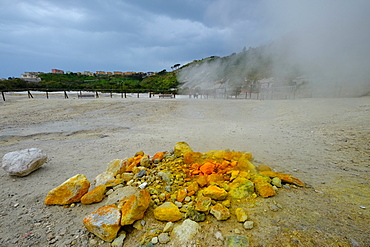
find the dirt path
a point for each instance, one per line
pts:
(323, 142)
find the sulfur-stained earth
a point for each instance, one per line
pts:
(323, 142)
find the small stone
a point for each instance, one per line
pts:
(168, 227)
(220, 212)
(145, 161)
(241, 188)
(181, 148)
(178, 204)
(237, 231)
(155, 240)
(218, 235)
(237, 241)
(141, 174)
(286, 186)
(226, 203)
(117, 242)
(143, 185)
(273, 207)
(167, 212)
(203, 204)
(163, 238)
(195, 215)
(276, 181)
(127, 176)
(241, 215)
(248, 225)
(184, 233)
(215, 192)
(137, 225)
(96, 195)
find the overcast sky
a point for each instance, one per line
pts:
(150, 35)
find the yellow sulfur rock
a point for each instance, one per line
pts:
(215, 192)
(167, 212)
(68, 192)
(104, 222)
(96, 195)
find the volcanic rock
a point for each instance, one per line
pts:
(23, 162)
(167, 212)
(215, 192)
(220, 212)
(237, 241)
(184, 233)
(134, 207)
(240, 188)
(68, 192)
(103, 178)
(121, 193)
(241, 215)
(203, 204)
(118, 242)
(163, 238)
(195, 215)
(181, 148)
(96, 195)
(104, 222)
(248, 225)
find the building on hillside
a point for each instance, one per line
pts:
(117, 73)
(88, 73)
(100, 73)
(109, 73)
(31, 77)
(57, 71)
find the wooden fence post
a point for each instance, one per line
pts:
(65, 95)
(29, 94)
(97, 95)
(47, 94)
(2, 93)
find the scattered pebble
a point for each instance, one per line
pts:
(248, 225)
(143, 185)
(286, 186)
(363, 207)
(274, 207)
(219, 236)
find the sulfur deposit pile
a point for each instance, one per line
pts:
(180, 186)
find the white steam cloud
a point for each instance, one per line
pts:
(328, 41)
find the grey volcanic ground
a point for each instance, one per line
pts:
(323, 142)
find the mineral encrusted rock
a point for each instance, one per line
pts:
(215, 192)
(94, 196)
(134, 207)
(220, 212)
(23, 162)
(68, 192)
(241, 215)
(104, 222)
(167, 212)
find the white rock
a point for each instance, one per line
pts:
(23, 162)
(168, 227)
(184, 233)
(163, 238)
(248, 225)
(118, 242)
